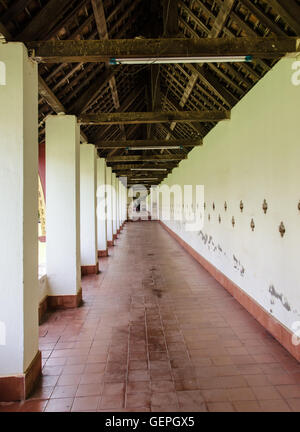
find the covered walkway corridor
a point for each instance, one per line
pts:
(157, 332)
(149, 205)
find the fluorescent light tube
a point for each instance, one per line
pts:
(148, 169)
(168, 60)
(144, 179)
(154, 148)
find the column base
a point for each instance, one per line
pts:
(118, 231)
(103, 253)
(43, 307)
(18, 387)
(65, 301)
(110, 243)
(91, 269)
(115, 236)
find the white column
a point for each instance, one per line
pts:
(120, 204)
(114, 204)
(109, 205)
(18, 221)
(88, 201)
(117, 206)
(101, 208)
(154, 203)
(63, 210)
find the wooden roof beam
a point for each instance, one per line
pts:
(57, 51)
(167, 165)
(148, 143)
(145, 158)
(153, 117)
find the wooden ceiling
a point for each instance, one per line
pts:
(90, 88)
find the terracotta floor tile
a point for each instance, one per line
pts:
(86, 403)
(241, 394)
(280, 379)
(89, 390)
(164, 399)
(274, 406)
(92, 378)
(247, 406)
(59, 405)
(136, 400)
(41, 393)
(94, 368)
(114, 389)
(48, 380)
(73, 369)
(167, 338)
(10, 406)
(266, 392)
(33, 406)
(162, 386)
(65, 391)
(215, 395)
(69, 380)
(190, 399)
(220, 407)
(112, 401)
(289, 391)
(257, 380)
(138, 375)
(294, 404)
(138, 387)
(138, 365)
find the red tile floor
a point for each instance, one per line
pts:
(157, 333)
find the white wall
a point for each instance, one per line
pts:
(88, 222)
(252, 157)
(63, 205)
(19, 209)
(101, 205)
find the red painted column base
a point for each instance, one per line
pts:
(65, 301)
(91, 269)
(18, 387)
(103, 253)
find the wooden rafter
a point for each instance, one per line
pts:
(99, 14)
(221, 18)
(125, 106)
(170, 13)
(48, 15)
(289, 10)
